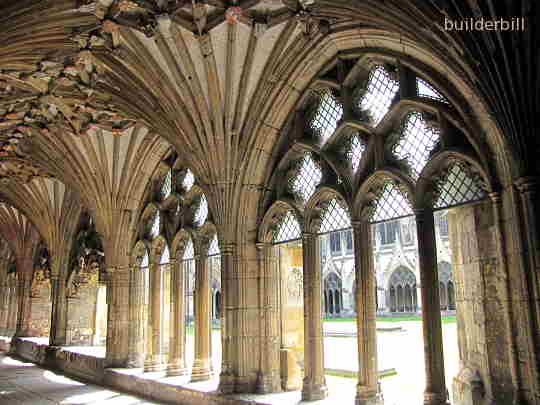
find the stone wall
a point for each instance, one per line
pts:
(483, 348)
(40, 314)
(81, 316)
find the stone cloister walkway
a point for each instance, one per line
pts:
(23, 383)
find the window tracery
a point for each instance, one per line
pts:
(390, 204)
(380, 92)
(288, 229)
(189, 180)
(156, 225)
(356, 150)
(327, 115)
(335, 217)
(307, 179)
(166, 187)
(202, 211)
(458, 185)
(416, 142)
(426, 90)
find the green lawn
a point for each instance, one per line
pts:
(413, 318)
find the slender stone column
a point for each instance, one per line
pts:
(117, 316)
(4, 307)
(136, 320)
(314, 386)
(154, 360)
(24, 305)
(435, 392)
(227, 378)
(269, 375)
(13, 309)
(202, 366)
(58, 333)
(367, 389)
(177, 349)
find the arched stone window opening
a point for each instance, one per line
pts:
(382, 178)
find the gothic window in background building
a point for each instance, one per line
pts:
(406, 231)
(335, 243)
(443, 225)
(348, 241)
(388, 231)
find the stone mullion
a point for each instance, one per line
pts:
(154, 361)
(177, 350)
(435, 392)
(226, 378)
(314, 386)
(202, 366)
(269, 378)
(367, 390)
(118, 317)
(136, 320)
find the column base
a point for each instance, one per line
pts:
(201, 371)
(435, 398)
(176, 370)
(226, 383)
(267, 384)
(369, 398)
(314, 392)
(153, 364)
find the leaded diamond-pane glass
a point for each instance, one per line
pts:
(202, 211)
(381, 89)
(155, 225)
(426, 90)
(335, 217)
(188, 250)
(288, 229)
(214, 247)
(189, 180)
(355, 152)
(307, 179)
(167, 185)
(165, 257)
(391, 204)
(416, 143)
(458, 186)
(328, 114)
(144, 262)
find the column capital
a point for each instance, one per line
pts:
(495, 197)
(526, 184)
(307, 235)
(262, 245)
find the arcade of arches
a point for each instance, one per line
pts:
(191, 187)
